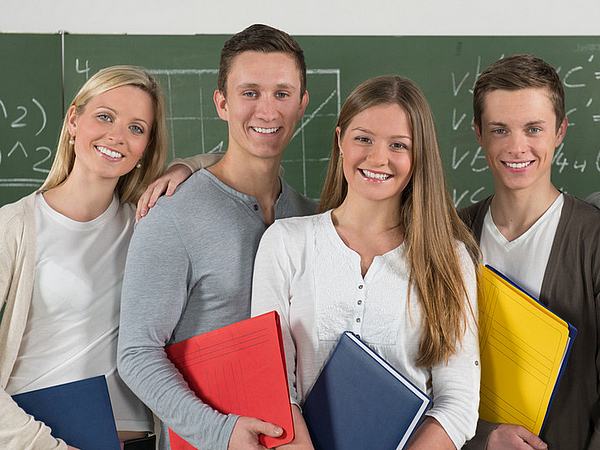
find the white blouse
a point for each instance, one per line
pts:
(305, 272)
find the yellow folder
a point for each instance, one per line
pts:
(524, 347)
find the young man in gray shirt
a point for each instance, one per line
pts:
(190, 261)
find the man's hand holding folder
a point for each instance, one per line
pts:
(247, 432)
(240, 369)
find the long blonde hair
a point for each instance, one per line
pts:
(131, 185)
(429, 220)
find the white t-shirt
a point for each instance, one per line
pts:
(73, 321)
(305, 272)
(523, 260)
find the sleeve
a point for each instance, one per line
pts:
(456, 384)
(595, 438)
(197, 162)
(155, 290)
(201, 161)
(18, 430)
(271, 291)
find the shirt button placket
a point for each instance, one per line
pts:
(359, 309)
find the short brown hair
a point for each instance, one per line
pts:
(260, 38)
(519, 72)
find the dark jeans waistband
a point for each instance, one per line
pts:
(146, 443)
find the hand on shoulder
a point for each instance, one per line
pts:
(165, 184)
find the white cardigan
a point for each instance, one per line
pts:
(18, 430)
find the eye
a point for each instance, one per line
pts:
(250, 94)
(499, 131)
(362, 140)
(104, 117)
(397, 146)
(534, 130)
(136, 129)
(282, 95)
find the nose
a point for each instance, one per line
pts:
(266, 108)
(378, 154)
(518, 144)
(117, 133)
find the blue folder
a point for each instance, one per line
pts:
(79, 413)
(359, 401)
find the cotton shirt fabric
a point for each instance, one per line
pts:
(189, 271)
(307, 274)
(515, 257)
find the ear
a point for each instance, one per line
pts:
(562, 131)
(338, 132)
(72, 120)
(478, 135)
(303, 105)
(221, 105)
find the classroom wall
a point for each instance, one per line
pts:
(305, 17)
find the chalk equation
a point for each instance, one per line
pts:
(21, 121)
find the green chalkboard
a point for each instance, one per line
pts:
(30, 110)
(444, 67)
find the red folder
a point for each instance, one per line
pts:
(239, 369)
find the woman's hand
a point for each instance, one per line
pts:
(165, 184)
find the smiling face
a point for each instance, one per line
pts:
(519, 135)
(112, 131)
(377, 154)
(263, 103)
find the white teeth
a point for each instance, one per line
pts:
(377, 176)
(518, 165)
(265, 130)
(107, 152)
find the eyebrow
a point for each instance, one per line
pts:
(278, 85)
(528, 124)
(366, 130)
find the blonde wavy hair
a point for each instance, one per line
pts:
(430, 222)
(131, 185)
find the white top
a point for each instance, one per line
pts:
(528, 254)
(73, 321)
(305, 272)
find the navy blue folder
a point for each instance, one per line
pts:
(79, 413)
(359, 401)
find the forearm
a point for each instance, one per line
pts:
(197, 162)
(153, 301)
(18, 430)
(153, 378)
(430, 435)
(479, 441)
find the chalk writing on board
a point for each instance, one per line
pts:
(20, 122)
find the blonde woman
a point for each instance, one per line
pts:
(63, 249)
(387, 258)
